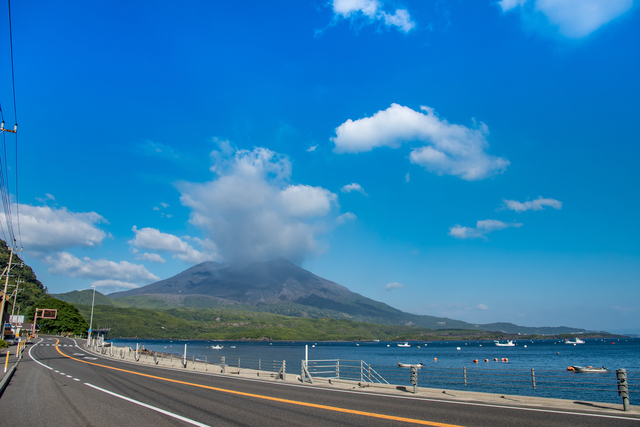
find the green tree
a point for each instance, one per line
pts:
(68, 319)
(30, 288)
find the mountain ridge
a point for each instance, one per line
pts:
(279, 286)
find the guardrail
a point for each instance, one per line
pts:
(599, 387)
(531, 382)
(235, 365)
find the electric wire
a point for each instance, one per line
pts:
(6, 203)
(15, 117)
(5, 195)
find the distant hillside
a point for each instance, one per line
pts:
(84, 297)
(281, 287)
(226, 324)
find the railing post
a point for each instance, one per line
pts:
(338, 369)
(304, 372)
(283, 370)
(414, 378)
(238, 363)
(136, 355)
(184, 359)
(533, 378)
(464, 375)
(361, 373)
(222, 365)
(623, 388)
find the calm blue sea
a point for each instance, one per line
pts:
(549, 358)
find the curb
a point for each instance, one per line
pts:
(7, 376)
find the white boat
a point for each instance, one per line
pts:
(509, 343)
(217, 347)
(404, 345)
(591, 369)
(407, 365)
(577, 341)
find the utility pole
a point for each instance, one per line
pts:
(7, 270)
(15, 296)
(91, 321)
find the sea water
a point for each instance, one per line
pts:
(549, 358)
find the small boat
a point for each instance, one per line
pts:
(587, 369)
(577, 341)
(233, 346)
(509, 343)
(217, 347)
(407, 365)
(404, 345)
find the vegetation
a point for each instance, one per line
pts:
(68, 320)
(30, 288)
(229, 324)
(4, 344)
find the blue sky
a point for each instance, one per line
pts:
(469, 159)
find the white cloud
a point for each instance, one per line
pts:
(482, 228)
(353, 187)
(393, 285)
(371, 10)
(573, 19)
(155, 240)
(483, 307)
(152, 258)
(116, 284)
(164, 205)
(452, 149)
(66, 264)
(304, 200)
(312, 148)
(534, 205)
(46, 229)
(407, 177)
(47, 197)
(400, 19)
(347, 216)
(250, 212)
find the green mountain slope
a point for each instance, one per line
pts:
(30, 289)
(280, 287)
(222, 324)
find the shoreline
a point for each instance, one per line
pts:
(452, 339)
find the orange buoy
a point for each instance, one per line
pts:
(435, 359)
(495, 360)
(486, 360)
(475, 360)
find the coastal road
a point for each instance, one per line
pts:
(59, 384)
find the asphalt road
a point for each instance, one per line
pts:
(64, 385)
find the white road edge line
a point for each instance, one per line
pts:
(153, 408)
(38, 362)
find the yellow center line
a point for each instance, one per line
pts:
(273, 399)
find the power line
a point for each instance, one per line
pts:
(4, 169)
(15, 118)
